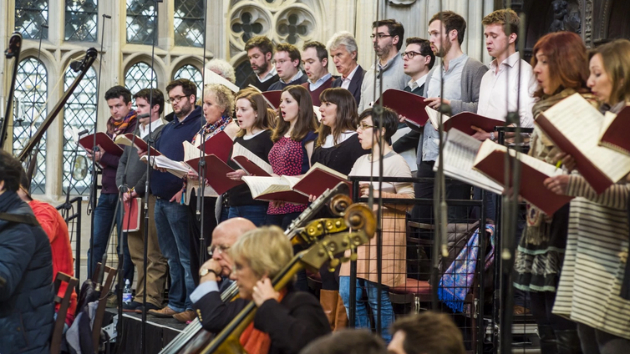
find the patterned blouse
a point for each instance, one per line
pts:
(289, 158)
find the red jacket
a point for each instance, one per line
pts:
(57, 230)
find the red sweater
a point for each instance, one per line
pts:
(315, 94)
(57, 230)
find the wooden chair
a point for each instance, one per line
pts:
(108, 278)
(57, 336)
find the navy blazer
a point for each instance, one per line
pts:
(355, 83)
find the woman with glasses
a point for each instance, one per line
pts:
(394, 247)
(337, 147)
(286, 320)
(255, 121)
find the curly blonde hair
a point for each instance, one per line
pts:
(225, 97)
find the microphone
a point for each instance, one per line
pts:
(76, 65)
(83, 132)
(143, 115)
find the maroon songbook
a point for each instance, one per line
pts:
(273, 97)
(104, 141)
(463, 122)
(406, 104)
(216, 171)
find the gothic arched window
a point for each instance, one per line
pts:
(139, 76)
(30, 15)
(191, 73)
(78, 115)
(29, 110)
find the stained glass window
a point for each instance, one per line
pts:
(139, 76)
(79, 114)
(30, 15)
(81, 20)
(191, 73)
(189, 23)
(141, 17)
(29, 110)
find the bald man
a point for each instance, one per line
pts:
(215, 276)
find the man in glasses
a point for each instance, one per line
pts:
(215, 273)
(287, 61)
(173, 219)
(387, 38)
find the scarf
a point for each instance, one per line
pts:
(210, 130)
(458, 279)
(255, 341)
(538, 230)
(115, 128)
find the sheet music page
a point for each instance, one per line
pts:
(434, 117)
(292, 180)
(190, 151)
(123, 140)
(174, 167)
(261, 184)
(460, 151)
(319, 166)
(609, 117)
(239, 150)
(581, 123)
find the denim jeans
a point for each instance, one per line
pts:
(594, 341)
(173, 221)
(103, 217)
(362, 319)
(254, 213)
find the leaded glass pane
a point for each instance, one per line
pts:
(30, 15)
(242, 71)
(78, 115)
(141, 17)
(31, 93)
(189, 23)
(139, 76)
(81, 20)
(191, 73)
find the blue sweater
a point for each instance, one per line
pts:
(164, 184)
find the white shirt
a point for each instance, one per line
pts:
(342, 137)
(493, 93)
(317, 84)
(346, 80)
(417, 83)
(269, 75)
(149, 128)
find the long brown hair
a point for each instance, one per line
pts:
(306, 121)
(265, 116)
(346, 118)
(567, 60)
(617, 65)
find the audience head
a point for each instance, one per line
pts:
(339, 114)
(610, 72)
(10, 172)
(260, 53)
(560, 62)
(222, 68)
(315, 59)
(252, 112)
(446, 30)
(347, 341)
(369, 134)
(182, 94)
(426, 333)
(296, 110)
(218, 101)
(119, 102)
(25, 184)
(418, 57)
(498, 43)
(343, 51)
(223, 237)
(287, 60)
(146, 97)
(259, 253)
(387, 36)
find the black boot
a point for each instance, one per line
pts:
(568, 342)
(548, 343)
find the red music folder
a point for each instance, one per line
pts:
(491, 162)
(406, 104)
(463, 122)
(104, 141)
(219, 145)
(273, 98)
(131, 218)
(276, 188)
(248, 161)
(614, 133)
(318, 179)
(216, 171)
(573, 125)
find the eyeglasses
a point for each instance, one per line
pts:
(220, 249)
(176, 99)
(364, 126)
(380, 35)
(411, 55)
